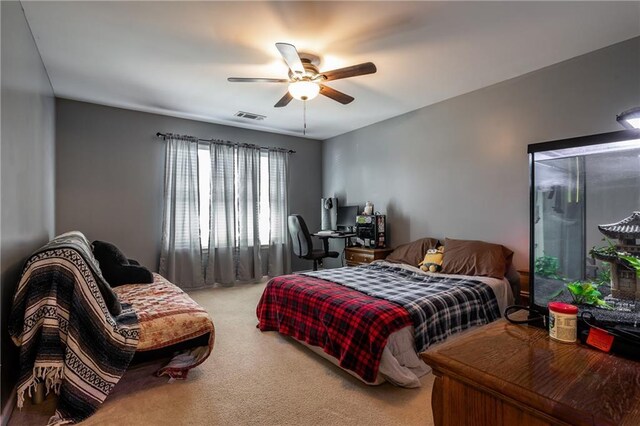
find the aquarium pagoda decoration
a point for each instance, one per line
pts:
(625, 283)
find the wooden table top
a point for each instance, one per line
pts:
(570, 382)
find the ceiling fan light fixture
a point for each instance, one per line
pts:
(630, 119)
(304, 90)
(305, 81)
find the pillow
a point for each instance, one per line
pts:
(508, 259)
(413, 252)
(129, 274)
(467, 257)
(108, 253)
(433, 260)
(115, 267)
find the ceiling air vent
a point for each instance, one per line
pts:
(250, 116)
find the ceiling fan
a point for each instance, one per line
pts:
(305, 81)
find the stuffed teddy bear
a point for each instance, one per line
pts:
(432, 260)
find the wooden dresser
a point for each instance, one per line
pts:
(355, 256)
(505, 374)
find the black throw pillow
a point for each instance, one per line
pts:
(116, 268)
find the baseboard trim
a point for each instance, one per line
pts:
(7, 410)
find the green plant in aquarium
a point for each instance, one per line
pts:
(548, 267)
(584, 293)
(604, 275)
(605, 253)
(633, 261)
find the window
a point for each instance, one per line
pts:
(264, 215)
(204, 179)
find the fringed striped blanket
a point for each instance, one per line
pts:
(72, 332)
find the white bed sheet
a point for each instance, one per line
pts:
(400, 363)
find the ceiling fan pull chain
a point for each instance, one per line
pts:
(304, 117)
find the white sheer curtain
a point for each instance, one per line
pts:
(248, 261)
(222, 216)
(279, 252)
(181, 251)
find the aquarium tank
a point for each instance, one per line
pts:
(585, 225)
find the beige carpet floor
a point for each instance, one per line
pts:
(251, 378)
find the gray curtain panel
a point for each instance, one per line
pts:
(279, 252)
(181, 251)
(248, 262)
(222, 216)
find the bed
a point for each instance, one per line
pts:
(77, 335)
(373, 320)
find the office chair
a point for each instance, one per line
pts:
(302, 244)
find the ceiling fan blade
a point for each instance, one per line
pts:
(352, 71)
(284, 101)
(343, 98)
(257, 80)
(291, 57)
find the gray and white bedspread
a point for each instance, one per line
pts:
(438, 306)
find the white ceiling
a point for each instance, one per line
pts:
(174, 58)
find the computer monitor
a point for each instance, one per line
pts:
(347, 217)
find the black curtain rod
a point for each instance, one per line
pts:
(220, 141)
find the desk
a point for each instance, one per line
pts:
(338, 236)
(326, 237)
(505, 374)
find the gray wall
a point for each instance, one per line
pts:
(28, 120)
(459, 168)
(110, 173)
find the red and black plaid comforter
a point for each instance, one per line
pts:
(345, 323)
